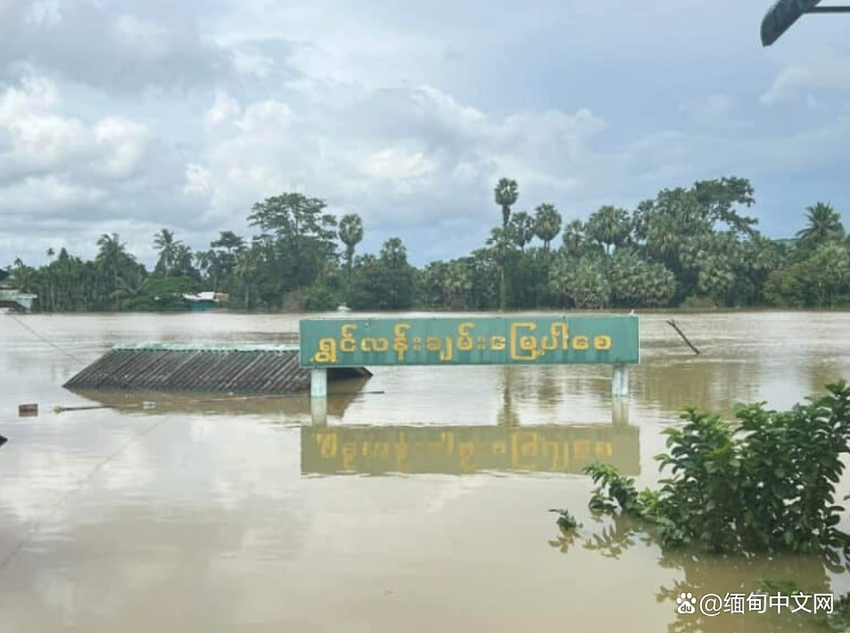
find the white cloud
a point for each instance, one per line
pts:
(121, 143)
(34, 94)
(46, 194)
(252, 64)
(40, 138)
(173, 113)
(46, 13)
(396, 163)
(831, 72)
(432, 148)
(712, 107)
(143, 37)
(267, 115)
(223, 109)
(197, 180)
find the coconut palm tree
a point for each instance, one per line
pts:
(25, 277)
(506, 194)
(824, 223)
(167, 246)
(111, 259)
(547, 223)
(182, 263)
(204, 261)
(350, 234)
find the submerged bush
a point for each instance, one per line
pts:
(766, 484)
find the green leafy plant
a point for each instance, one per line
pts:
(566, 521)
(613, 490)
(765, 484)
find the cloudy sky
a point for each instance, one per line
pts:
(128, 117)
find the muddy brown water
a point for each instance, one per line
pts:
(419, 509)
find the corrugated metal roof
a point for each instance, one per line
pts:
(196, 367)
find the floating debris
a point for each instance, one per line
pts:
(27, 410)
(672, 323)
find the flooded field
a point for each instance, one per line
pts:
(421, 505)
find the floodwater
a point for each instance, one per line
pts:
(420, 506)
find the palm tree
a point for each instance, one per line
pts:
(49, 274)
(547, 223)
(110, 259)
(247, 261)
(574, 238)
(609, 226)
(165, 243)
(204, 263)
(521, 228)
(351, 234)
(24, 276)
(182, 262)
(458, 284)
(824, 223)
(500, 242)
(506, 194)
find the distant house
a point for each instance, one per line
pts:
(203, 301)
(12, 299)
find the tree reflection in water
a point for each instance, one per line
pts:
(701, 573)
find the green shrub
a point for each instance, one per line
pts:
(768, 484)
(319, 298)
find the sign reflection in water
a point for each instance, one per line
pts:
(465, 449)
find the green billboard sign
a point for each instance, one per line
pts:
(520, 340)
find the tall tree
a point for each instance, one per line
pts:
(167, 247)
(220, 260)
(350, 234)
(823, 225)
(183, 261)
(521, 227)
(506, 194)
(247, 263)
(299, 238)
(547, 223)
(609, 226)
(385, 282)
(501, 244)
(229, 241)
(114, 262)
(575, 238)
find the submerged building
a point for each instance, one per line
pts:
(13, 299)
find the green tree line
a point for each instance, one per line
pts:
(686, 247)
